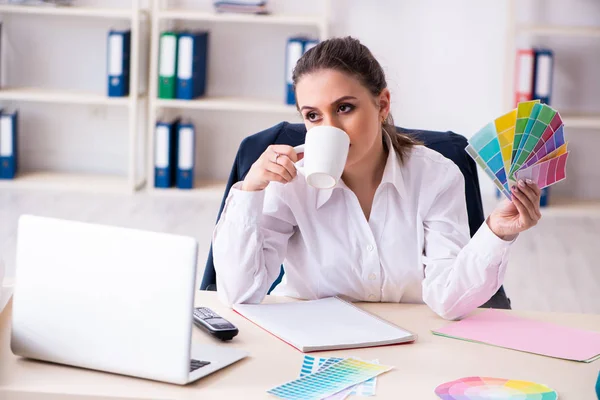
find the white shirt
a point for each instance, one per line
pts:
(415, 247)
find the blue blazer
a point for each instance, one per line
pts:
(449, 144)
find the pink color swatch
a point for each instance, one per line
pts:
(500, 328)
(547, 172)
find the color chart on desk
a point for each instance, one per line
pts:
(311, 364)
(525, 143)
(324, 383)
(481, 388)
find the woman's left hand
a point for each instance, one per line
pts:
(512, 217)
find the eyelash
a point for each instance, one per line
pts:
(350, 108)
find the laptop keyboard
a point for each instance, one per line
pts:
(196, 364)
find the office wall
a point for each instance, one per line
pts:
(444, 61)
(445, 64)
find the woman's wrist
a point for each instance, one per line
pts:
(498, 231)
(248, 186)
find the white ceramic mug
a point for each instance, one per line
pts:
(325, 152)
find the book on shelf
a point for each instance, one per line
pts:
(174, 154)
(186, 151)
(9, 162)
(165, 153)
(167, 65)
(258, 7)
(182, 64)
(118, 60)
(192, 54)
(296, 47)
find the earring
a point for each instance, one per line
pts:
(382, 119)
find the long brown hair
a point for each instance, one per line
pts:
(350, 56)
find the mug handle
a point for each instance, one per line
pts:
(299, 149)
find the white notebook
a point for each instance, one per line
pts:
(325, 324)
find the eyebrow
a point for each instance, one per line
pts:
(335, 102)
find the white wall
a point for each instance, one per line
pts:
(445, 65)
(442, 58)
(444, 61)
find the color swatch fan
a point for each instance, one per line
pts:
(526, 143)
(478, 388)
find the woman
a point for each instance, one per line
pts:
(394, 229)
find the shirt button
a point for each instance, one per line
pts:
(370, 247)
(371, 297)
(372, 276)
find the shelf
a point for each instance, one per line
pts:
(202, 189)
(118, 13)
(557, 30)
(68, 182)
(228, 104)
(60, 96)
(558, 207)
(572, 207)
(271, 19)
(589, 121)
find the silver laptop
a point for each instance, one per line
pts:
(110, 299)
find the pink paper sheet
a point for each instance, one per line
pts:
(502, 329)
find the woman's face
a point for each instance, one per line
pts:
(330, 97)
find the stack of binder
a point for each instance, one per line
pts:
(241, 6)
(174, 158)
(534, 70)
(118, 61)
(296, 47)
(8, 144)
(182, 65)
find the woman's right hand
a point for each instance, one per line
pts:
(275, 164)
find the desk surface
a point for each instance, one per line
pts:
(419, 367)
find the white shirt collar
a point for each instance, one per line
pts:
(392, 174)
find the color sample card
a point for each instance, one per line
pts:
(329, 381)
(514, 144)
(556, 141)
(554, 126)
(505, 126)
(535, 111)
(558, 152)
(503, 329)
(523, 112)
(540, 125)
(501, 187)
(312, 364)
(487, 146)
(482, 388)
(546, 173)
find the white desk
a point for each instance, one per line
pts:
(419, 367)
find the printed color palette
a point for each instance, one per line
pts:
(530, 140)
(555, 142)
(486, 145)
(546, 173)
(518, 144)
(328, 381)
(524, 110)
(478, 388)
(312, 364)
